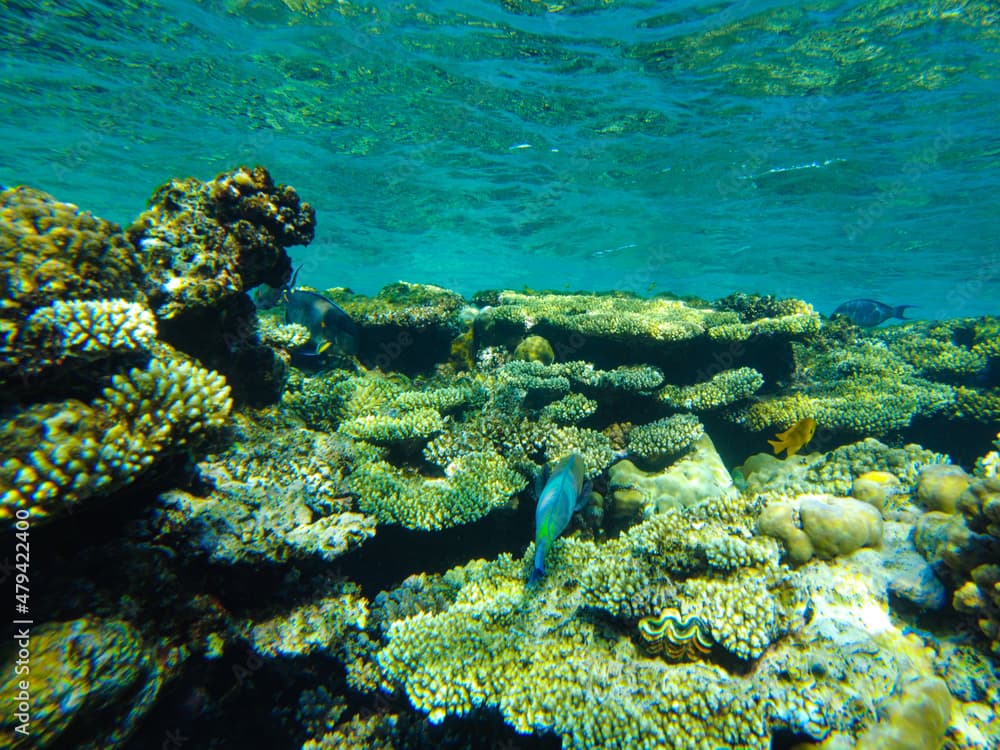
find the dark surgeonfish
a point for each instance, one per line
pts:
(869, 312)
(328, 324)
(564, 493)
(265, 296)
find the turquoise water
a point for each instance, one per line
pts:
(825, 150)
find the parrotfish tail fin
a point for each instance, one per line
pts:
(897, 311)
(536, 575)
(778, 445)
(584, 495)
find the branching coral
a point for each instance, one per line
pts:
(61, 454)
(723, 389)
(671, 436)
(277, 493)
(473, 485)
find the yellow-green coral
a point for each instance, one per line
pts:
(723, 389)
(931, 348)
(61, 454)
(571, 408)
(798, 324)
(90, 327)
(592, 445)
(91, 681)
(618, 316)
(393, 428)
(320, 624)
(535, 349)
(404, 304)
(670, 436)
(473, 485)
(288, 336)
(53, 251)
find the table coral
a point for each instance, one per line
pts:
(723, 389)
(667, 437)
(473, 485)
(394, 428)
(570, 409)
(63, 453)
(318, 625)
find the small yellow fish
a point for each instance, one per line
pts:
(794, 437)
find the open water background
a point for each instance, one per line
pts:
(823, 150)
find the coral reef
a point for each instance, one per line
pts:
(664, 438)
(834, 472)
(473, 485)
(92, 680)
(876, 382)
(204, 245)
(721, 390)
(60, 454)
(680, 609)
(546, 666)
(278, 493)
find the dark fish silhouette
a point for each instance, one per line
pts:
(265, 296)
(328, 324)
(869, 312)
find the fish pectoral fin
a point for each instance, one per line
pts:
(323, 347)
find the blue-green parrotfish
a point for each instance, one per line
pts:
(564, 492)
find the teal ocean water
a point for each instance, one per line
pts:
(448, 489)
(826, 150)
